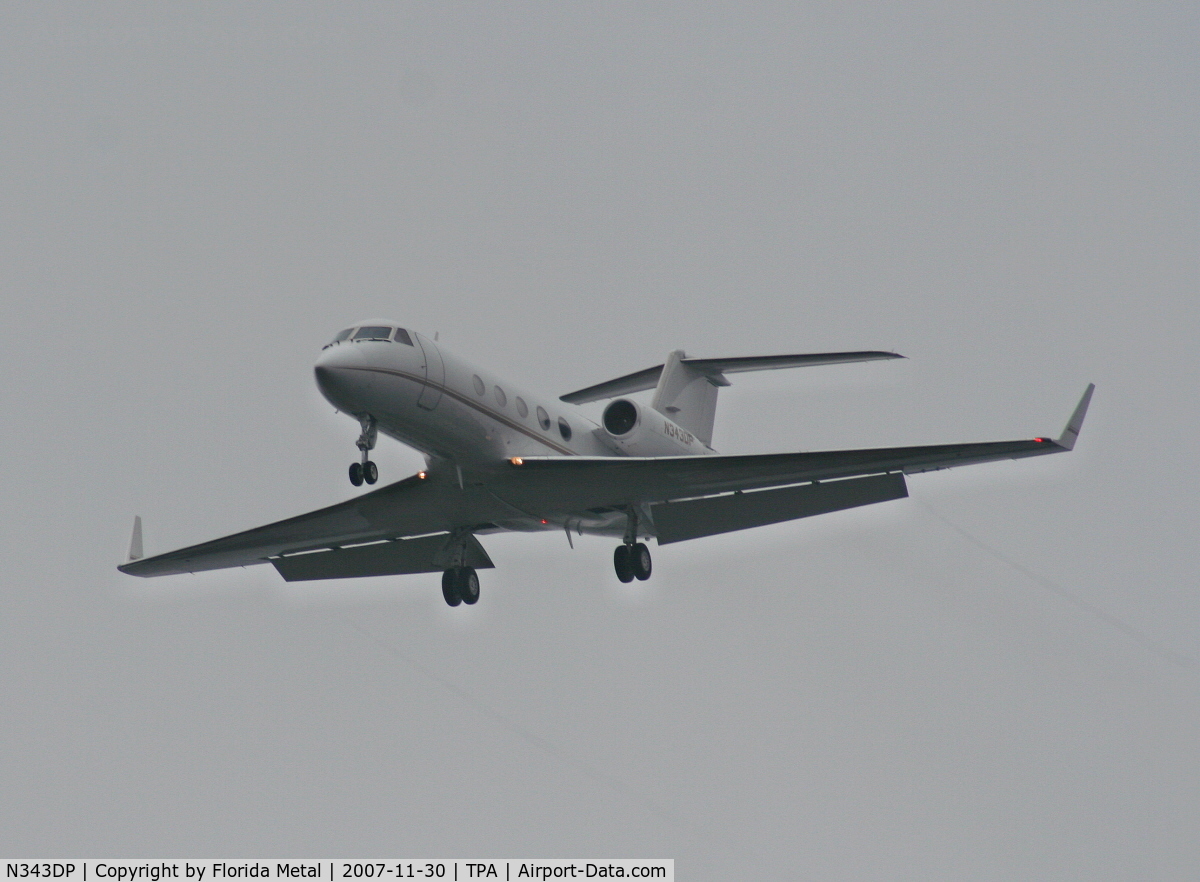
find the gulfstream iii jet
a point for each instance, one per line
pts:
(502, 458)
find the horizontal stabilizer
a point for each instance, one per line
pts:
(715, 369)
(694, 518)
(423, 555)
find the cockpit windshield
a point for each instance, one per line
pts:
(373, 332)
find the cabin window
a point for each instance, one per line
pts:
(564, 429)
(479, 387)
(522, 407)
(501, 398)
(543, 418)
(402, 337)
(373, 332)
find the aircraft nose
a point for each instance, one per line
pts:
(339, 376)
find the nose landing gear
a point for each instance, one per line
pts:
(365, 470)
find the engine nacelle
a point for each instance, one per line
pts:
(639, 431)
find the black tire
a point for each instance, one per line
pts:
(356, 474)
(468, 585)
(370, 472)
(640, 562)
(623, 563)
(450, 587)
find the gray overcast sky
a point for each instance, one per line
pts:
(195, 198)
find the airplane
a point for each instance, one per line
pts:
(501, 458)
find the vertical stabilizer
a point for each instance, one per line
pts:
(688, 397)
(135, 543)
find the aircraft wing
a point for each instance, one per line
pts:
(564, 483)
(414, 507)
(408, 527)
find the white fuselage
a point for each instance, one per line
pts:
(449, 409)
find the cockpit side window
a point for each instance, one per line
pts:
(373, 332)
(342, 335)
(402, 337)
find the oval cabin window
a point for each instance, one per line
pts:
(478, 384)
(522, 407)
(564, 429)
(501, 398)
(543, 418)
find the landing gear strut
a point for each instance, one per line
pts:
(460, 585)
(632, 560)
(365, 470)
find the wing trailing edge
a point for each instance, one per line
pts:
(426, 554)
(695, 518)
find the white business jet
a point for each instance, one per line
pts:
(502, 458)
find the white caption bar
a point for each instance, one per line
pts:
(354, 870)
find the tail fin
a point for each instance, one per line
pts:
(686, 390)
(688, 396)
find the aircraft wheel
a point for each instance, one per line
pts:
(356, 474)
(623, 563)
(640, 563)
(370, 472)
(450, 587)
(468, 585)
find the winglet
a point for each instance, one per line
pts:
(1075, 423)
(135, 543)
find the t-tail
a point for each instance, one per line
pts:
(685, 389)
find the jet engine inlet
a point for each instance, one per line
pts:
(620, 417)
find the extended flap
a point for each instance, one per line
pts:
(423, 555)
(693, 518)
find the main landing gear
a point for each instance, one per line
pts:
(365, 470)
(460, 585)
(632, 559)
(632, 562)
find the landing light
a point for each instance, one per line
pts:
(516, 460)
(421, 475)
